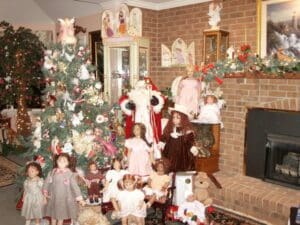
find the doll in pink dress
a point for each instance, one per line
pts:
(140, 153)
(188, 92)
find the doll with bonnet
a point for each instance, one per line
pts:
(210, 111)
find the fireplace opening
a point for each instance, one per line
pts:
(283, 160)
(272, 146)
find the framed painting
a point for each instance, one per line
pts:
(279, 27)
(45, 36)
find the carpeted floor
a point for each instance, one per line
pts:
(8, 171)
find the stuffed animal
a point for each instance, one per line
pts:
(201, 185)
(92, 216)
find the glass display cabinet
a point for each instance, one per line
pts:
(216, 42)
(126, 60)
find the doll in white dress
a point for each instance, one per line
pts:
(34, 201)
(210, 111)
(191, 212)
(129, 202)
(112, 178)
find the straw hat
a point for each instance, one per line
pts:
(180, 108)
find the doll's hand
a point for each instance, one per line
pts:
(45, 200)
(161, 145)
(82, 202)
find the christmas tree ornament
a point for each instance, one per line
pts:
(98, 85)
(77, 118)
(66, 32)
(83, 73)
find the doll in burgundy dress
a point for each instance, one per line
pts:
(177, 140)
(93, 180)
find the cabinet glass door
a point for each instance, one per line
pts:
(119, 66)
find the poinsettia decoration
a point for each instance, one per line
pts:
(245, 61)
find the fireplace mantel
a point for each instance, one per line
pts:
(259, 75)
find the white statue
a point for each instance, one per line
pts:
(214, 13)
(230, 53)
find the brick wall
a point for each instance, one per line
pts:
(241, 93)
(248, 195)
(239, 18)
(188, 22)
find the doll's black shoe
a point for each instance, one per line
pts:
(91, 200)
(96, 200)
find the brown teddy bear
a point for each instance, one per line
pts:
(91, 215)
(201, 184)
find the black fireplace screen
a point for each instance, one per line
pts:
(273, 138)
(283, 160)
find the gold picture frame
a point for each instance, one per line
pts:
(278, 27)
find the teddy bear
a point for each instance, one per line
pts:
(201, 184)
(91, 215)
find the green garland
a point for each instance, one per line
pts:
(246, 62)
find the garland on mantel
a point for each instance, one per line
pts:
(248, 63)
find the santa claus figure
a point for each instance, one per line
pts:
(143, 104)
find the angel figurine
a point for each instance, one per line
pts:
(66, 31)
(214, 13)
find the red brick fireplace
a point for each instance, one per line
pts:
(249, 195)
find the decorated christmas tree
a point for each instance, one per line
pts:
(75, 119)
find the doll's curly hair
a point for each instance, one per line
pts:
(185, 124)
(210, 96)
(36, 166)
(164, 162)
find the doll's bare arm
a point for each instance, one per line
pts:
(115, 204)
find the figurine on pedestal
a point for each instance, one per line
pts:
(214, 13)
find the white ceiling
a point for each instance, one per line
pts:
(48, 11)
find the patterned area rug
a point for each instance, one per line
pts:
(8, 171)
(217, 217)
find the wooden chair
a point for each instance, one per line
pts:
(163, 206)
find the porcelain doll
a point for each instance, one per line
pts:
(62, 191)
(210, 111)
(177, 140)
(158, 184)
(140, 152)
(191, 211)
(93, 179)
(129, 202)
(186, 91)
(33, 199)
(112, 177)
